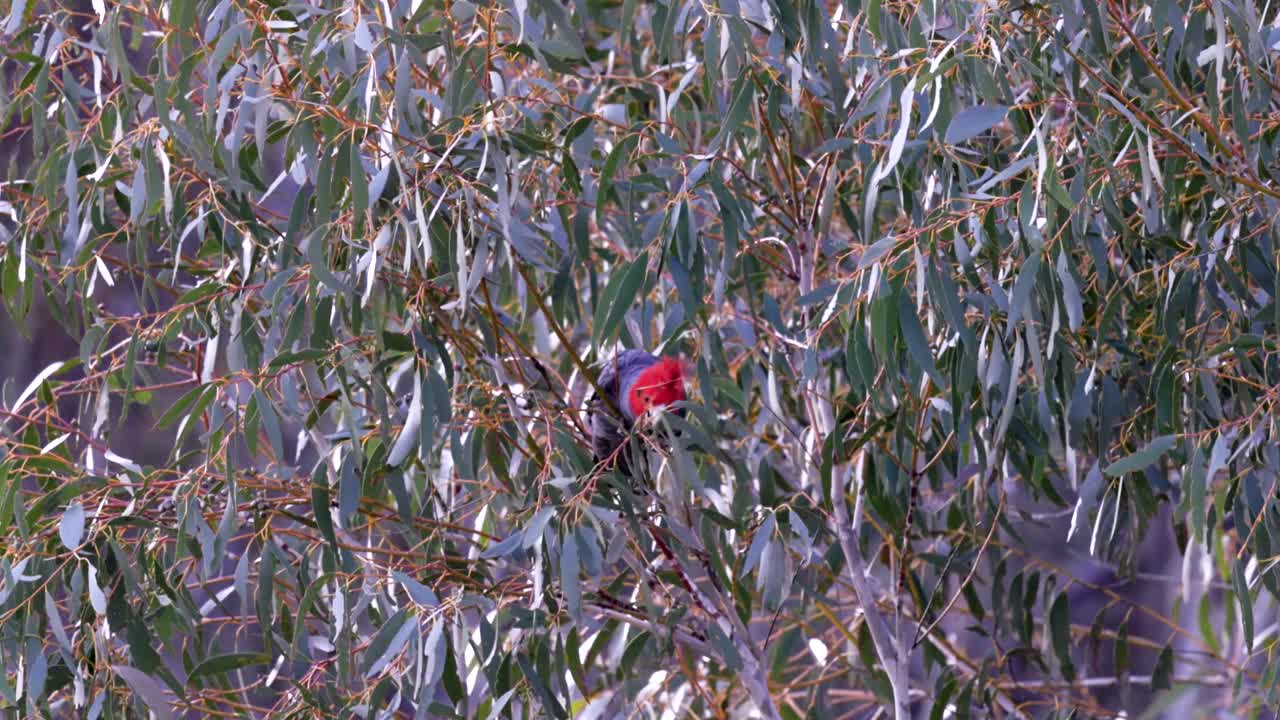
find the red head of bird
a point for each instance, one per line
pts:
(657, 385)
(634, 382)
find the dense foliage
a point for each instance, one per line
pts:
(979, 300)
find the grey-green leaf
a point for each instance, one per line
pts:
(619, 296)
(917, 344)
(538, 523)
(148, 688)
(876, 251)
(407, 440)
(758, 542)
(1070, 293)
(388, 642)
(420, 593)
(1150, 453)
(974, 121)
(1060, 628)
(569, 580)
(219, 664)
(1245, 600)
(505, 547)
(71, 526)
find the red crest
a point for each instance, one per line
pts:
(659, 384)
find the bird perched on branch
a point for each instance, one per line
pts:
(634, 381)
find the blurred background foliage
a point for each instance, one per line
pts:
(302, 301)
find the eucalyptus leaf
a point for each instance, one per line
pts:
(157, 699)
(71, 526)
(973, 121)
(339, 280)
(1147, 455)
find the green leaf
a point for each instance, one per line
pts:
(873, 19)
(1139, 460)
(537, 524)
(387, 643)
(506, 547)
(156, 698)
(917, 344)
(180, 406)
(38, 674)
(974, 121)
(219, 664)
(1060, 628)
(743, 98)
(270, 423)
(774, 576)
(544, 694)
(834, 145)
(759, 541)
(618, 297)
(607, 172)
(192, 417)
(320, 505)
(299, 649)
(872, 254)
(350, 488)
(1194, 480)
(301, 356)
(569, 576)
(1020, 301)
(1244, 599)
(1162, 675)
(320, 264)
(1070, 293)
(420, 593)
(200, 292)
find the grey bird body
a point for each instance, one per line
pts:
(610, 426)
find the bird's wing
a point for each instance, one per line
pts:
(610, 426)
(606, 428)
